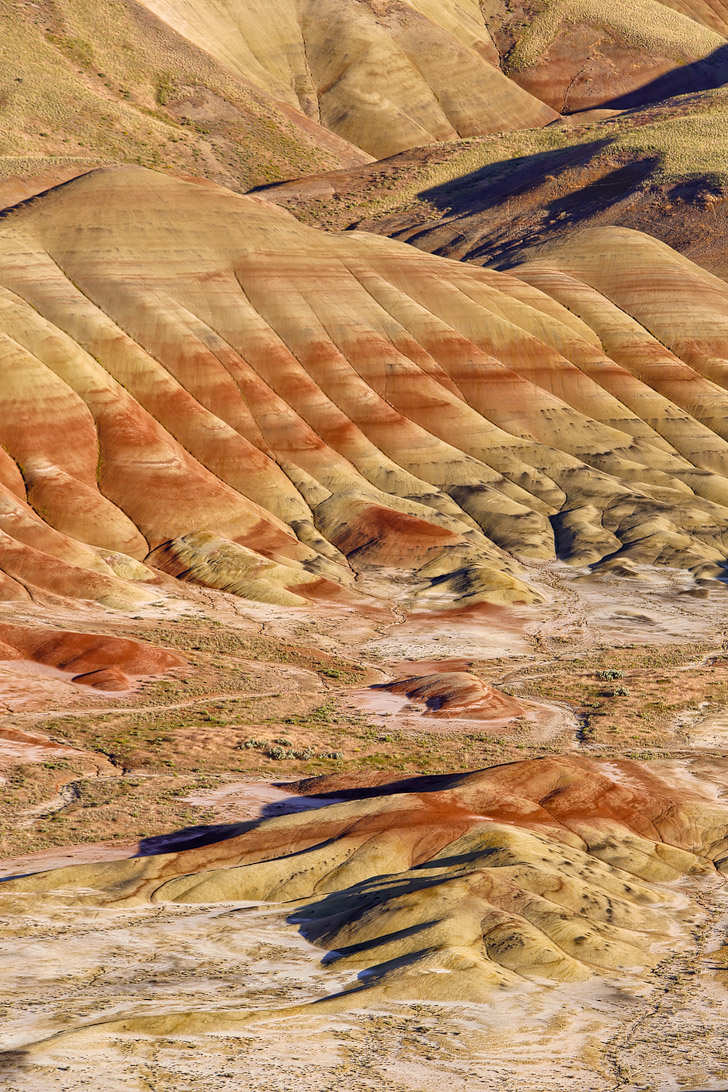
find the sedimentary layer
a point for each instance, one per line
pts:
(199, 384)
(448, 887)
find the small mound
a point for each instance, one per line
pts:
(105, 678)
(94, 659)
(455, 694)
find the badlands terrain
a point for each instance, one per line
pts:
(363, 543)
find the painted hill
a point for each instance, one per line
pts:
(444, 888)
(92, 659)
(203, 386)
(386, 75)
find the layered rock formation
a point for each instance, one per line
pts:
(446, 887)
(197, 383)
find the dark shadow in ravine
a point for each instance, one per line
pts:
(489, 186)
(707, 74)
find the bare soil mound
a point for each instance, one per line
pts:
(94, 659)
(454, 694)
(448, 888)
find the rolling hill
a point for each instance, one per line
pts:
(386, 75)
(202, 386)
(448, 889)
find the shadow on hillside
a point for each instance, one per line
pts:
(417, 783)
(532, 218)
(192, 838)
(199, 836)
(489, 186)
(706, 74)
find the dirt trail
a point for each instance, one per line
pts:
(678, 1032)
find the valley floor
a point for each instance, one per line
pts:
(611, 666)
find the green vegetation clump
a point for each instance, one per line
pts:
(165, 88)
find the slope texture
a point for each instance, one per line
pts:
(385, 74)
(197, 383)
(448, 887)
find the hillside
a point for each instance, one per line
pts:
(89, 83)
(363, 545)
(386, 75)
(202, 385)
(442, 889)
(661, 170)
(710, 13)
(581, 54)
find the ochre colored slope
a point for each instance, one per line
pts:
(106, 82)
(203, 385)
(447, 887)
(386, 76)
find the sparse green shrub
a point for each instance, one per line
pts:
(165, 88)
(609, 674)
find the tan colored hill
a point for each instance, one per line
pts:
(203, 386)
(580, 54)
(449, 888)
(386, 75)
(87, 83)
(710, 13)
(661, 170)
